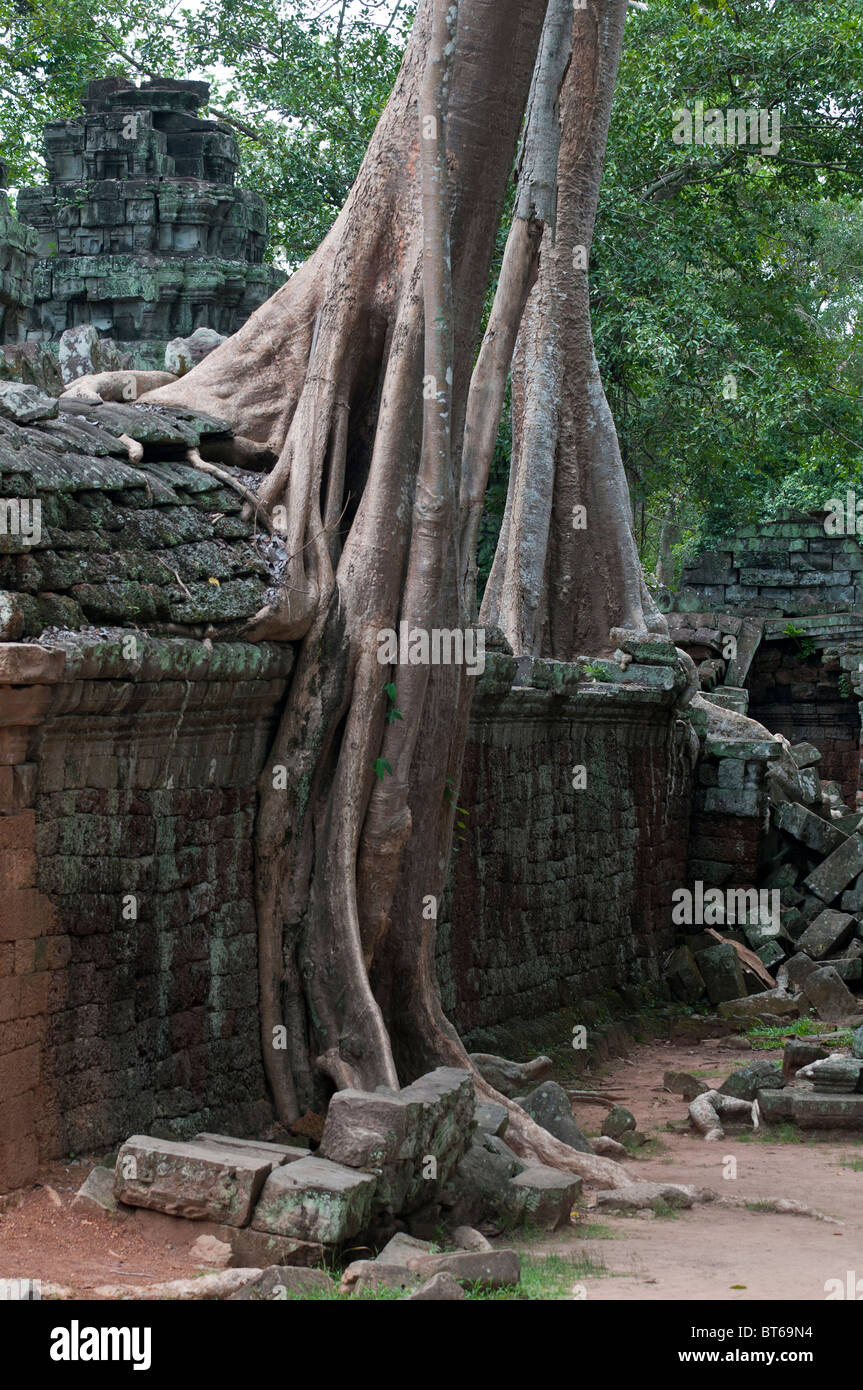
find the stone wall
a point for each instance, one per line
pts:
(17, 262)
(128, 973)
(562, 894)
(128, 947)
(776, 568)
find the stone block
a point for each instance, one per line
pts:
(199, 1181)
(837, 871)
(827, 933)
(813, 832)
(315, 1200)
(368, 1130)
(283, 1282)
(723, 974)
(542, 1197)
(826, 992)
(814, 1110)
(550, 1106)
(776, 1106)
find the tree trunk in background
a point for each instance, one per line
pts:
(566, 568)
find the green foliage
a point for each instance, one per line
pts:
(708, 261)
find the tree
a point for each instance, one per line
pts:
(360, 374)
(567, 569)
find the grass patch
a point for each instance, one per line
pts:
(854, 1163)
(594, 1230)
(548, 1277)
(769, 1038)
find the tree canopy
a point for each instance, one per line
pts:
(725, 285)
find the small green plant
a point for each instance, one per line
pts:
(846, 689)
(594, 672)
(805, 645)
(393, 713)
(382, 767)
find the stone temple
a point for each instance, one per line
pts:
(17, 259)
(141, 229)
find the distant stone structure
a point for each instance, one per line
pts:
(775, 622)
(17, 261)
(141, 230)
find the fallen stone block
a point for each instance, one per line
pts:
(827, 933)
(25, 404)
(551, 1107)
(746, 1082)
(278, 1283)
(202, 1182)
(317, 1200)
(511, 1078)
(682, 1083)
(805, 754)
(96, 1192)
(795, 971)
(466, 1238)
(543, 1197)
(828, 995)
(813, 1110)
(490, 1269)
(799, 1053)
(813, 832)
(776, 1106)
(276, 1154)
(835, 1075)
(368, 1129)
(857, 1042)
(617, 1122)
(441, 1288)
(837, 871)
(259, 1249)
(361, 1275)
(769, 1004)
(684, 976)
(444, 1123)
(723, 973)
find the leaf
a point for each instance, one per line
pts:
(382, 767)
(390, 691)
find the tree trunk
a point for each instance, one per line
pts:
(566, 569)
(365, 397)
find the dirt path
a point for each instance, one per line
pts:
(704, 1252)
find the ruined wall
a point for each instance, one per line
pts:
(141, 229)
(561, 894)
(128, 948)
(128, 973)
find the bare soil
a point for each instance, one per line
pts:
(708, 1252)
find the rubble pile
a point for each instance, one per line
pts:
(814, 1089)
(393, 1170)
(790, 945)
